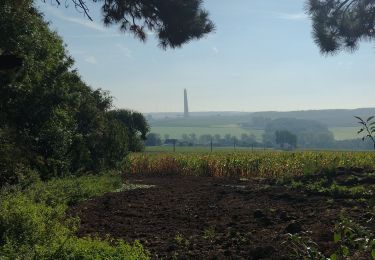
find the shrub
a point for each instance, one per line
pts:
(89, 248)
(33, 223)
(31, 230)
(71, 190)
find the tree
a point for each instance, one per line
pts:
(51, 122)
(310, 134)
(174, 22)
(247, 140)
(284, 137)
(205, 139)
(10, 61)
(341, 24)
(153, 139)
(136, 125)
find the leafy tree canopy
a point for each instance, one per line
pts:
(51, 122)
(285, 137)
(342, 24)
(310, 134)
(174, 22)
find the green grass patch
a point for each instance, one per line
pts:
(345, 133)
(33, 223)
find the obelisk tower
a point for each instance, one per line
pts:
(186, 106)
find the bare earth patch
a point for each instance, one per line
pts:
(212, 218)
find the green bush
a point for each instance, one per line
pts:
(31, 230)
(71, 190)
(50, 120)
(33, 223)
(88, 248)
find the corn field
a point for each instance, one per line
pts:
(248, 164)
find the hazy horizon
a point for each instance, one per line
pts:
(261, 58)
(255, 111)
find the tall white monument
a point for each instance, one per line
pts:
(186, 106)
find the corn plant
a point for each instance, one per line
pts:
(368, 128)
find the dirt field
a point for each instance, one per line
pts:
(210, 218)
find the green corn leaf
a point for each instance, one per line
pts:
(345, 251)
(333, 257)
(337, 237)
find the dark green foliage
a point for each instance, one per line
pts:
(285, 137)
(310, 134)
(153, 139)
(51, 122)
(29, 230)
(352, 241)
(136, 125)
(174, 22)
(341, 24)
(367, 128)
(33, 223)
(71, 190)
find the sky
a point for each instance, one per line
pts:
(261, 57)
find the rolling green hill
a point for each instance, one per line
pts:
(340, 121)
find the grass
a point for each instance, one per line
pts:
(345, 133)
(34, 224)
(201, 121)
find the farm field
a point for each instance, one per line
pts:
(244, 164)
(340, 133)
(260, 205)
(214, 132)
(196, 149)
(177, 132)
(345, 133)
(212, 218)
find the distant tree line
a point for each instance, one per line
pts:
(308, 134)
(285, 139)
(283, 133)
(51, 122)
(192, 139)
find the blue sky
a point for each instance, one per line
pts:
(261, 57)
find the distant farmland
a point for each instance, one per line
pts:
(340, 133)
(345, 133)
(234, 130)
(341, 123)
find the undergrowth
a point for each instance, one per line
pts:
(34, 225)
(352, 241)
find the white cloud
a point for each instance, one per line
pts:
(98, 35)
(84, 22)
(292, 17)
(91, 60)
(215, 49)
(124, 50)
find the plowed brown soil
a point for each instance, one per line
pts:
(212, 218)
